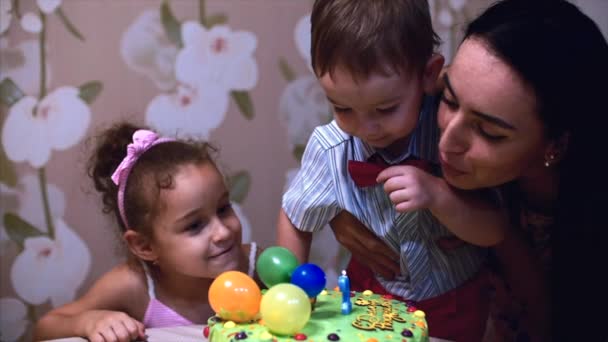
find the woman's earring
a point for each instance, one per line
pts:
(550, 160)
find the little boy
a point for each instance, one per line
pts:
(375, 61)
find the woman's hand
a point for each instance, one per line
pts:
(364, 246)
(111, 326)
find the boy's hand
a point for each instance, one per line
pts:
(364, 246)
(114, 326)
(409, 187)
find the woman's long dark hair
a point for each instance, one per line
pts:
(563, 56)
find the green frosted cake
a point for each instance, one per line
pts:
(373, 318)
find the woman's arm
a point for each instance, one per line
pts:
(524, 275)
(473, 216)
(104, 313)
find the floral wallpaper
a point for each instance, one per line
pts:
(234, 72)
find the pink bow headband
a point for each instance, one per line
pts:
(143, 140)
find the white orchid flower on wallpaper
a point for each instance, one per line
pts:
(457, 5)
(21, 64)
(211, 64)
(30, 205)
(33, 129)
(302, 107)
(146, 49)
(245, 225)
(445, 17)
(217, 56)
(13, 321)
(5, 15)
(51, 269)
(24, 200)
(30, 22)
(303, 39)
(48, 6)
(189, 112)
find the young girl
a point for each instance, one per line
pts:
(173, 208)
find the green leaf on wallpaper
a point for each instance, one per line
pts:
(239, 184)
(10, 92)
(286, 70)
(171, 25)
(243, 100)
(68, 24)
(19, 229)
(89, 91)
(216, 19)
(8, 175)
(298, 151)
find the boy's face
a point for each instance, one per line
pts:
(380, 110)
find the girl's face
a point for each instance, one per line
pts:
(491, 133)
(197, 234)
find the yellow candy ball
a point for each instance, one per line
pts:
(419, 313)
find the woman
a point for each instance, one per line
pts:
(520, 113)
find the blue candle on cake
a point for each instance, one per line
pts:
(344, 285)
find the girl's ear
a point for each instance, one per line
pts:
(431, 73)
(140, 245)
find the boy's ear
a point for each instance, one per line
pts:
(140, 245)
(431, 73)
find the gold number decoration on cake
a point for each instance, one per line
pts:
(376, 319)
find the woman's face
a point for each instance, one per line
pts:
(491, 132)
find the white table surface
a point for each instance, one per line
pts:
(191, 333)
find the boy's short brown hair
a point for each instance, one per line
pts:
(366, 36)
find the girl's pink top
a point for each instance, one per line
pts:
(158, 315)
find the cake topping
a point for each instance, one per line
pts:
(407, 333)
(300, 337)
(206, 332)
(411, 309)
(368, 293)
(265, 336)
(419, 313)
(241, 336)
(229, 324)
(333, 337)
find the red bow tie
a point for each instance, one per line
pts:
(364, 174)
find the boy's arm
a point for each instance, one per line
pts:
(101, 311)
(470, 215)
(290, 237)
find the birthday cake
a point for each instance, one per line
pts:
(373, 318)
